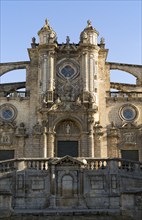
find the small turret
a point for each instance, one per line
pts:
(89, 35)
(46, 34)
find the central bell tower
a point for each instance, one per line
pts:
(69, 89)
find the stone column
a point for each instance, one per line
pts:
(21, 135)
(90, 137)
(90, 144)
(98, 132)
(113, 141)
(45, 142)
(45, 73)
(83, 149)
(85, 70)
(50, 148)
(51, 71)
(91, 73)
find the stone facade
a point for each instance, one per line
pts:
(68, 141)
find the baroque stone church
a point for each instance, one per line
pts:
(68, 141)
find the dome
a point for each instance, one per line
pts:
(89, 34)
(47, 34)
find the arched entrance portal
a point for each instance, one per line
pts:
(67, 139)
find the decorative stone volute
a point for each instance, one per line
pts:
(89, 35)
(46, 34)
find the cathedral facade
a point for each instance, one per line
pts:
(70, 124)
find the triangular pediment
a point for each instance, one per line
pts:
(68, 161)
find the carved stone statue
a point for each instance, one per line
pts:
(68, 129)
(67, 40)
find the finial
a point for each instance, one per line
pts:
(67, 40)
(46, 22)
(89, 23)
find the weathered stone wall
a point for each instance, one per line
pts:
(67, 185)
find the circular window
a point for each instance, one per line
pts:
(128, 112)
(8, 112)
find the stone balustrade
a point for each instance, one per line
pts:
(21, 164)
(37, 164)
(117, 164)
(8, 166)
(16, 94)
(95, 164)
(124, 94)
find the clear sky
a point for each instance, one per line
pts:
(119, 22)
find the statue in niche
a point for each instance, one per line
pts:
(68, 129)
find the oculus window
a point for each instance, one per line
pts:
(8, 112)
(128, 112)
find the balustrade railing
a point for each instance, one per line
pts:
(21, 94)
(95, 164)
(124, 94)
(129, 166)
(21, 164)
(37, 164)
(8, 165)
(114, 164)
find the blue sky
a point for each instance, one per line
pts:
(119, 22)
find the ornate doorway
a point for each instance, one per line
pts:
(67, 139)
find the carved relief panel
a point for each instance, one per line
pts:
(67, 127)
(6, 138)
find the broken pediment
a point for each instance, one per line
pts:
(68, 161)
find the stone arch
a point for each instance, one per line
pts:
(72, 189)
(67, 137)
(7, 67)
(119, 76)
(135, 70)
(13, 76)
(72, 118)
